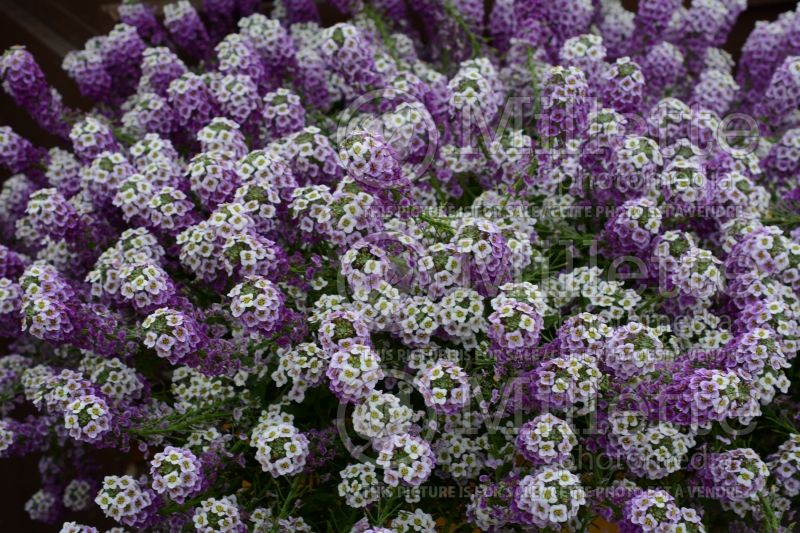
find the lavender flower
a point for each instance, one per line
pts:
(160, 66)
(405, 459)
(258, 304)
(126, 501)
(353, 372)
(349, 54)
(218, 514)
(545, 440)
(444, 386)
(177, 473)
(24, 81)
(87, 418)
(122, 56)
(90, 138)
(282, 113)
(18, 154)
(548, 498)
(192, 102)
(186, 29)
(141, 16)
(281, 448)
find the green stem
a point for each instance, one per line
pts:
(438, 222)
(380, 25)
(123, 137)
(484, 150)
(294, 492)
(386, 508)
(788, 220)
(180, 423)
(473, 39)
(770, 524)
(781, 422)
(534, 82)
(437, 188)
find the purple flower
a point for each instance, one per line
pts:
(148, 113)
(122, 56)
(135, 508)
(281, 449)
(24, 81)
(177, 473)
(342, 329)
(160, 66)
(487, 254)
(298, 11)
(564, 111)
(783, 159)
(633, 226)
(740, 471)
(444, 386)
(761, 54)
(102, 178)
(663, 70)
(310, 155)
(52, 215)
(546, 440)
(258, 304)
(146, 287)
(87, 418)
(63, 171)
(88, 70)
(347, 52)
(514, 329)
(237, 55)
(90, 137)
(405, 459)
(259, 196)
(220, 15)
(141, 16)
(783, 93)
(784, 465)
(550, 497)
(193, 104)
(224, 137)
(10, 306)
(213, 177)
(655, 509)
(173, 334)
(18, 154)
(282, 114)
(623, 86)
(238, 99)
(373, 164)
(715, 90)
(653, 16)
(187, 30)
(274, 46)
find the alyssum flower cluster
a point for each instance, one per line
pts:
(427, 269)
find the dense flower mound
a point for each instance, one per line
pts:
(407, 267)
